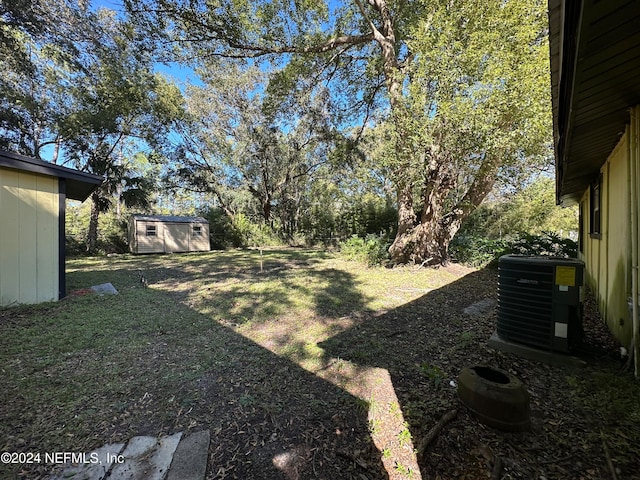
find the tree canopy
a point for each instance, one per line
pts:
(76, 80)
(456, 91)
(428, 105)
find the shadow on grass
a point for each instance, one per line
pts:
(163, 367)
(214, 266)
(91, 370)
(235, 287)
(424, 344)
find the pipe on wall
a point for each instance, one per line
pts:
(634, 160)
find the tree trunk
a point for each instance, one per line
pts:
(92, 235)
(427, 240)
(266, 210)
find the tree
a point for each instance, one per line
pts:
(41, 42)
(458, 87)
(531, 210)
(233, 141)
(119, 108)
(75, 79)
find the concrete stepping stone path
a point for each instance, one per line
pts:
(144, 458)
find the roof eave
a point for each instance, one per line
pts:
(79, 185)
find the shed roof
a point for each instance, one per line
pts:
(79, 185)
(169, 218)
(595, 79)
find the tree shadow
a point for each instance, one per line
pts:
(165, 367)
(272, 419)
(238, 287)
(424, 344)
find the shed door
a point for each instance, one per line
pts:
(176, 237)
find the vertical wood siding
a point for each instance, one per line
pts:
(176, 237)
(28, 237)
(146, 244)
(200, 243)
(608, 259)
(171, 237)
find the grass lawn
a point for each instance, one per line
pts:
(301, 364)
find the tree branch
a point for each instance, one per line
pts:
(364, 13)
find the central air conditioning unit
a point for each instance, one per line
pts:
(540, 301)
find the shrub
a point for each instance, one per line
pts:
(239, 232)
(222, 233)
(253, 234)
(372, 250)
(75, 246)
(479, 251)
(547, 243)
(112, 232)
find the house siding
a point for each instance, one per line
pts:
(29, 240)
(608, 258)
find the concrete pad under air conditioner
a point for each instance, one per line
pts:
(533, 353)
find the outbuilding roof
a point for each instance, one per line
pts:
(79, 185)
(169, 218)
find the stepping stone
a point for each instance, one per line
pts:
(481, 307)
(105, 289)
(146, 458)
(99, 464)
(190, 458)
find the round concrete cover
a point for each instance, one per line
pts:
(496, 398)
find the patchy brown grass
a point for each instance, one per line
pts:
(302, 366)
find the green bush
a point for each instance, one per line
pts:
(547, 243)
(222, 233)
(112, 231)
(75, 246)
(479, 251)
(372, 250)
(253, 234)
(239, 232)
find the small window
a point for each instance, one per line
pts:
(581, 227)
(197, 230)
(151, 230)
(595, 209)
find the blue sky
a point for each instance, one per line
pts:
(179, 73)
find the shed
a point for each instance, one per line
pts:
(168, 234)
(32, 237)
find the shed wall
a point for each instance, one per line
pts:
(200, 242)
(176, 237)
(29, 239)
(146, 243)
(170, 237)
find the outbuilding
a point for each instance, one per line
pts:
(168, 234)
(33, 196)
